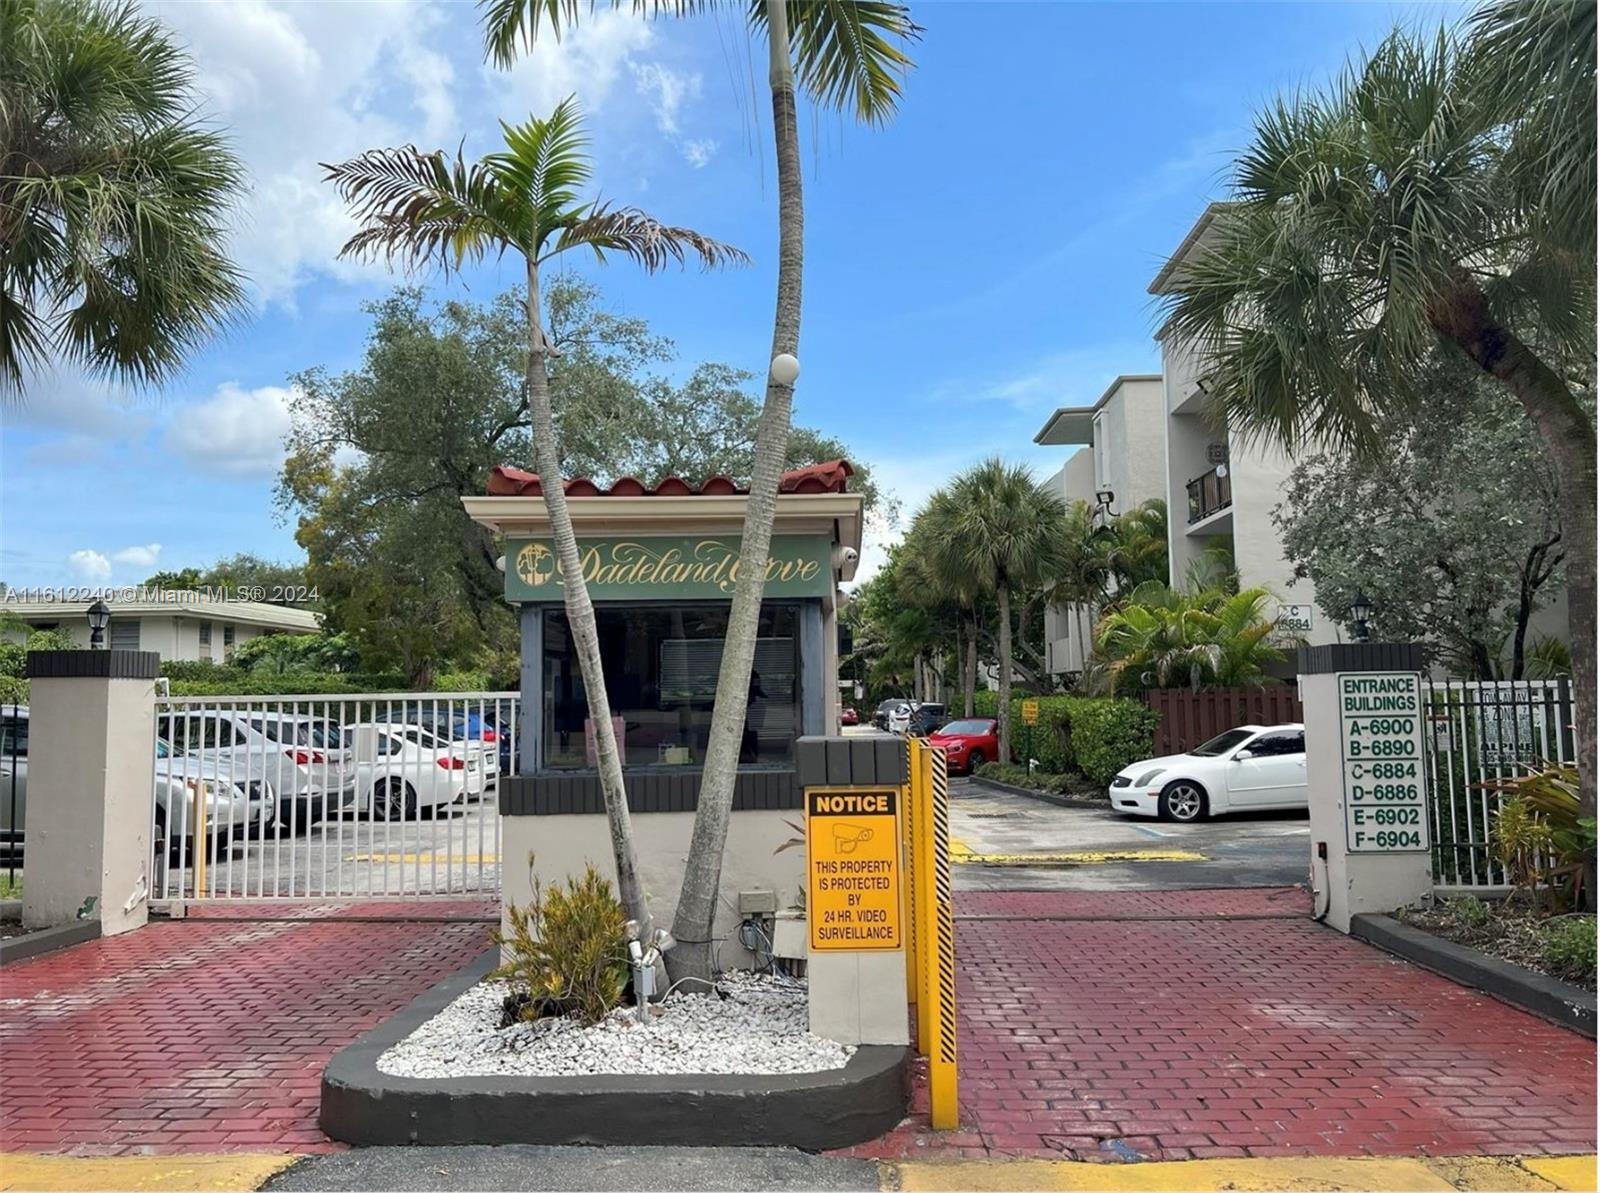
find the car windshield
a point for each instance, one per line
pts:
(971, 728)
(166, 750)
(319, 734)
(1222, 743)
(421, 737)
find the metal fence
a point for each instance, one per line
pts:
(13, 790)
(1480, 732)
(330, 797)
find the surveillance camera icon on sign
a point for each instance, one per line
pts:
(847, 836)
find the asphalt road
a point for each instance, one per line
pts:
(1088, 847)
(522, 1166)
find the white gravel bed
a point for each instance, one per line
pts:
(760, 1026)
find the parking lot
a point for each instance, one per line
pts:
(455, 851)
(1002, 841)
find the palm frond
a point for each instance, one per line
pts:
(644, 239)
(848, 53)
(510, 27)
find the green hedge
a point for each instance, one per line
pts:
(1091, 736)
(212, 679)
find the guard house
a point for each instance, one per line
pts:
(660, 564)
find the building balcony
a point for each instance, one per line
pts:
(1209, 494)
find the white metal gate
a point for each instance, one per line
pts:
(393, 795)
(1481, 731)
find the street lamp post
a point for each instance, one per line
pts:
(1361, 616)
(99, 618)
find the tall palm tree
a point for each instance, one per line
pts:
(943, 579)
(1002, 530)
(1417, 203)
(114, 196)
(1161, 638)
(848, 57)
(428, 209)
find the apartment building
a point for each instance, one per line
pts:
(178, 625)
(1151, 435)
(1120, 463)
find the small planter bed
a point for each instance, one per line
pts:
(735, 1068)
(18, 943)
(1053, 788)
(1514, 930)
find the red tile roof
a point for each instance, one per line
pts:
(831, 476)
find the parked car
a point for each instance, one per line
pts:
(233, 808)
(473, 723)
(849, 716)
(968, 744)
(915, 719)
(300, 761)
(1251, 768)
(880, 717)
(404, 769)
(13, 779)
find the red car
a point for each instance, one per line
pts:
(968, 744)
(848, 716)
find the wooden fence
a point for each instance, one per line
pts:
(1189, 718)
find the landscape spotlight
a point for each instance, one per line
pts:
(1361, 615)
(99, 618)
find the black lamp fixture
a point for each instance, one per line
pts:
(99, 618)
(1105, 498)
(1361, 615)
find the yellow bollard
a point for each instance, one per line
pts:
(922, 893)
(944, 1103)
(908, 889)
(200, 793)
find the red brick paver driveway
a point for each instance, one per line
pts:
(1189, 1024)
(207, 1035)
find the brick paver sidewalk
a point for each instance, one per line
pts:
(1192, 1024)
(205, 1035)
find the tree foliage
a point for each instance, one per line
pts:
(1164, 638)
(1459, 540)
(114, 196)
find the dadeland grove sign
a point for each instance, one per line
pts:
(667, 568)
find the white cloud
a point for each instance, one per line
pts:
(698, 153)
(666, 90)
(235, 432)
(65, 399)
(89, 565)
(144, 557)
(300, 84)
(586, 62)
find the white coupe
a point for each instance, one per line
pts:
(1249, 769)
(403, 769)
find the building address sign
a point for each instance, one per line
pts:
(1380, 738)
(668, 567)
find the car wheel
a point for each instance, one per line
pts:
(397, 801)
(1183, 801)
(974, 761)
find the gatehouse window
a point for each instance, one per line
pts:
(661, 665)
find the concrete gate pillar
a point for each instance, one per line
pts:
(91, 769)
(1365, 778)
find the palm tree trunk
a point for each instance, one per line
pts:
(1563, 428)
(702, 876)
(969, 679)
(1002, 598)
(580, 616)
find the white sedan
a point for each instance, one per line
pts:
(1249, 769)
(402, 769)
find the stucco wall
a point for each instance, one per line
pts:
(562, 845)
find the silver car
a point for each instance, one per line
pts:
(301, 762)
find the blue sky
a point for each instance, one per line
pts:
(978, 262)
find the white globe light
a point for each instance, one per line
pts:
(785, 368)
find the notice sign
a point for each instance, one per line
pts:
(1030, 712)
(1380, 731)
(853, 858)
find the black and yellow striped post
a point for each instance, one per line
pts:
(933, 921)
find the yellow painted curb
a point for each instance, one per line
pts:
(1565, 1172)
(1299, 1174)
(182, 1174)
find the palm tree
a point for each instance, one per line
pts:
(1002, 530)
(1436, 194)
(848, 59)
(1162, 638)
(943, 580)
(427, 209)
(1133, 547)
(113, 196)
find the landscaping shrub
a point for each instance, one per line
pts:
(1467, 910)
(1039, 780)
(1091, 736)
(568, 951)
(1569, 948)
